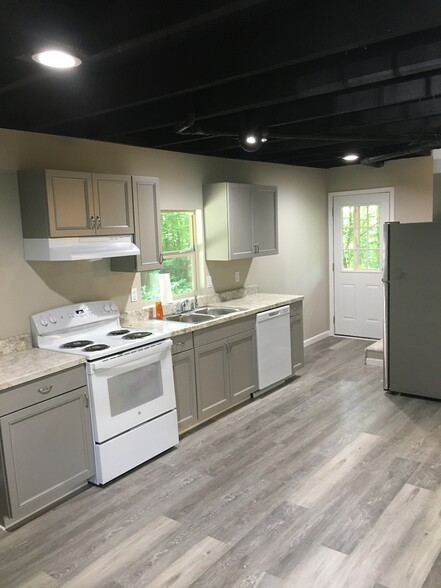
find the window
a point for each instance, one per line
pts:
(178, 248)
(361, 237)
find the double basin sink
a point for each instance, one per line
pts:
(200, 315)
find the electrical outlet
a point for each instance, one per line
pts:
(208, 281)
(134, 295)
(237, 276)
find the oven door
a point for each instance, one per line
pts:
(130, 388)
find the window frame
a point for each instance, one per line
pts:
(193, 253)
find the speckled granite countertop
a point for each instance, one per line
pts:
(21, 363)
(30, 364)
(249, 305)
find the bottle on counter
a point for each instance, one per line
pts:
(159, 314)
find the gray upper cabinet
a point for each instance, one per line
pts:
(147, 212)
(74, 204)
(240, 221)
(113, 204)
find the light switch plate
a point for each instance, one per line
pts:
(208, 281)
(134, 295)
(237, 276)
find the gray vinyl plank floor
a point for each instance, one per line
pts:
(327, 482)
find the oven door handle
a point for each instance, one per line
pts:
(129, 361)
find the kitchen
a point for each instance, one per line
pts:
(300, 267)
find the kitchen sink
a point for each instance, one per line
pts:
(200, 315)
(190, 318)
(217, 310)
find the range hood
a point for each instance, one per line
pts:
(79, 248)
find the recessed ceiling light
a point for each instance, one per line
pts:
(250, 139)
(56, 59)
(351, 157)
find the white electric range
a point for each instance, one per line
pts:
(129, 377)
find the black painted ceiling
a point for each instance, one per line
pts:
(324, 78)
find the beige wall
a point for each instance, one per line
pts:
(411, 178)
(26, 288)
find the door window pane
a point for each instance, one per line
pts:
(361, 237)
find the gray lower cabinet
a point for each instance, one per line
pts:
(212, 379)
(226, 369)
(297, 350)
(185, 381)
(47, 449)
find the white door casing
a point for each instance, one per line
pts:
(356, 261)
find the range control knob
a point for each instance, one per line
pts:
(43, 321)
(52, 319)
(106, 307)
(113, 307)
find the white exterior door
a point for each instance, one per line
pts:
(358, 220)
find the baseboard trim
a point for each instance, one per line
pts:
(374, 361)
(316, 338)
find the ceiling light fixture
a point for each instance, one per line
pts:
(351, 157)
(251, 141)
(56, 59)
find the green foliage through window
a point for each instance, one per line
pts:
(361, 237)
(179, 256)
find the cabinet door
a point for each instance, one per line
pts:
(212, 379)
(265, 232)
(113, 202)
(240, 216)
(242, 366)
(297, 352)
(70, 203)
(48, 452)
(185, 389)
(146, 212)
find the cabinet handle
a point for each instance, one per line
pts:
(92, 222)
(86, 400)
(255, 247)
(258, 248)
(161, 259)
(45, 389)
(98, 222)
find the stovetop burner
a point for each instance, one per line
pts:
(76, 344)
(137, 335)
(118, 332)
(96, 347)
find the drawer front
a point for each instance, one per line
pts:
(182, 343)
(296, 308)
(224, 330)
(39, 390)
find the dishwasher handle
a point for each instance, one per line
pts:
(272, 314)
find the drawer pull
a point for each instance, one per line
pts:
(45, 389)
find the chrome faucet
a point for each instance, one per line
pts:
(184, 305)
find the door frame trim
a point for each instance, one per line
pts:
(331, 195)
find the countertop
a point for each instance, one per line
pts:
(31, 364)
(249, 305)
(23, 365)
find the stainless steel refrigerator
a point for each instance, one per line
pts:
(412, 284)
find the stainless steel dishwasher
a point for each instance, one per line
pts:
(273, 348)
